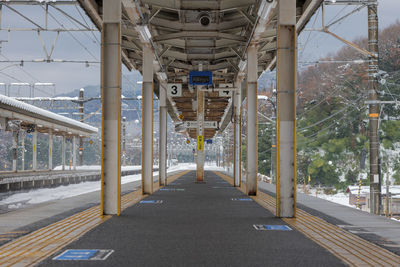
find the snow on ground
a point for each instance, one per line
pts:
(36, 196)
(48, 194)
(338, 198)
(192, 166)
(98, 168)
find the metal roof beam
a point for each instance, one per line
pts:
(199, 34)
(199, 4)
(197, 56)
(185, 44)
(218, 66)
(178, 26)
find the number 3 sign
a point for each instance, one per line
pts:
(174, 89)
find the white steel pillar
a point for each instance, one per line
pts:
(200, 136)
(147, 121)
(34, 148)
(50, 150)
(23, 151)
(163, 137)
(63, 152)
(111, 108)
(70, 153)
(74, 152)
(237, 130)
(286, 117)
(123, 141)
(252, 127)
(15, 151)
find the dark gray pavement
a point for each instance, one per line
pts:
(200, 226)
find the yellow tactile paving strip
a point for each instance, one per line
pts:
(348, 247)
(38, 245)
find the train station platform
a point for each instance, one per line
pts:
(194, 224)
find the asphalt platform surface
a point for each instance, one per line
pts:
(197, 224)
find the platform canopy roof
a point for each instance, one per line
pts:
(26, 116)
(185, 34)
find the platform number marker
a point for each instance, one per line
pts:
(174, 89)
(225, 93)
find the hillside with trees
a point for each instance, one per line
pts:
(332, 116)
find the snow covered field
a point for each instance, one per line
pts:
(36, 196)
(339, 198)
(98, 168)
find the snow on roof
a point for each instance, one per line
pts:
(42, 98)
(51, 116)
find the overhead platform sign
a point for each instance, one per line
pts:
(200, 78)
(207, 124)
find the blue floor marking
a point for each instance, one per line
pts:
(172, 189)
(147, 201)
(151, 201)
(277, 227)
(265, 227)
(242, 199)
(77, 254)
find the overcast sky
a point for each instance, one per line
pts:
(85, 46)
(320, 44)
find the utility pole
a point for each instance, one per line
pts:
(374, 176)
(81, 113)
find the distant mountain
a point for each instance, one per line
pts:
(130, 87)
(130, 109)
(266, 81)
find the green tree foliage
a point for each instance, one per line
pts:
(264, 149)
(332, 116)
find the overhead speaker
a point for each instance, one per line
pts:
(205, 19)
